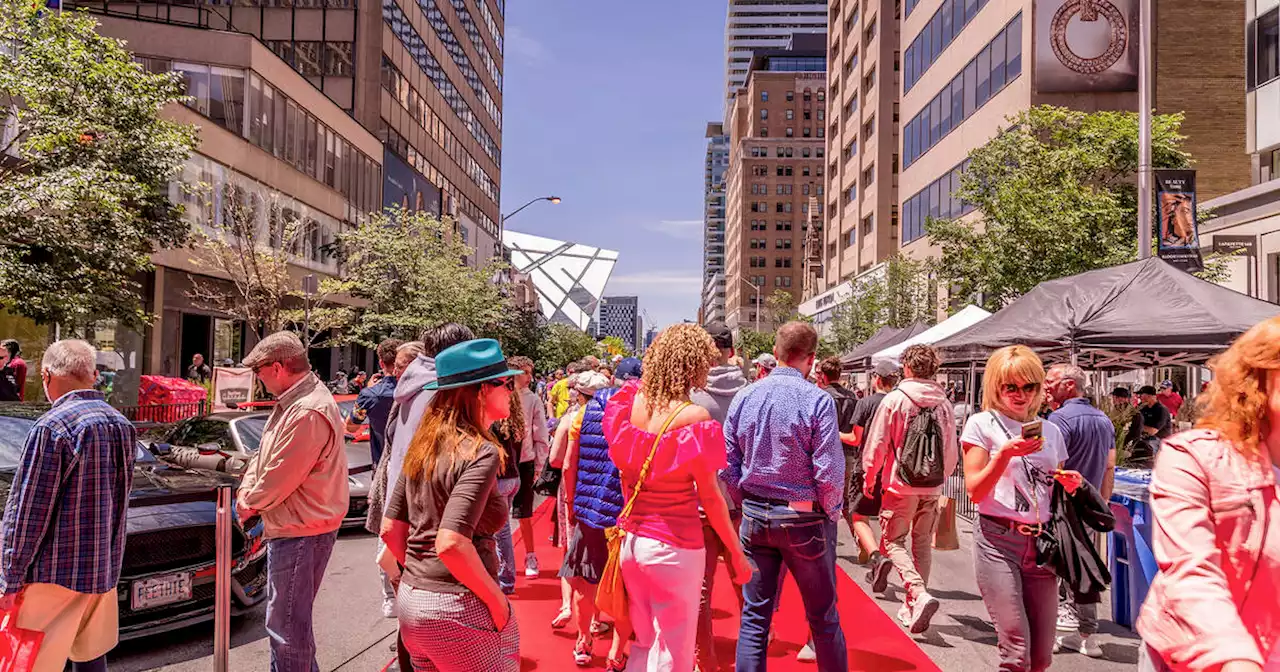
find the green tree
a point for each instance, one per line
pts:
(752, 343)
(1055, 195)
(612, 345)
(902, 293)
(410, 268)
(561, 345)
(780, 307)
(84, 188)
(520, 330)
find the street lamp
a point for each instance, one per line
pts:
(554, 199)
(756, 287)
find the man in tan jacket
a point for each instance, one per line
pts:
(297, 483)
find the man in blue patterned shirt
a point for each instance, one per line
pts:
(786, 467)
(63, 534)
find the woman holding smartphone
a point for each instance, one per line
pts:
(1011, 460)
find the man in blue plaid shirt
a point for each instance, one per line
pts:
(63, 533)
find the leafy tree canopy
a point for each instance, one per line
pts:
(752, 343)
(902, 293)
(561, 345)
(612, 345)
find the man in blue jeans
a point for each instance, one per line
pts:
(786, 467)
(297, 483)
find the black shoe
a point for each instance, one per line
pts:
(878, 575)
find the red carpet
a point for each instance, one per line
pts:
(876, 642)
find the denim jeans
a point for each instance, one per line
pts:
(1021, 596)
(775, 537)
(295, 568)
(507, 487)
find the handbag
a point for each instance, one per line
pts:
(548, 482)
(945, 536)
(18, 646)
(611, 593)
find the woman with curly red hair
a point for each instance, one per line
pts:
(1215, 605)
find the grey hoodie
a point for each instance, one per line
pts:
(723, 382)
(411, 402)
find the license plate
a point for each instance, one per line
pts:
(161, 590)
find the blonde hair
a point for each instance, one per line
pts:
(1235, 403)
(677, 362)
(1010, 363)
(406, 353)
(453, 416)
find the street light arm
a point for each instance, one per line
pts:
(553, 199)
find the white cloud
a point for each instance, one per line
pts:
(527, 48)
(684, 229)
(666, 282)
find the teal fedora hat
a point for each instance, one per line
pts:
(468, 363)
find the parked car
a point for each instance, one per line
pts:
(347, 404)
(239, 433)
(167, 579)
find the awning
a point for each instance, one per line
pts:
(967, 317)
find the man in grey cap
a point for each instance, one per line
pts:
(765, 364)
(297, 483)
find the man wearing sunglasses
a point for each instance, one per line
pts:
(297, 483)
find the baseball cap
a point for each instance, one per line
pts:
(590, 382)
(628, 369)
(887, 368)
(278, 347)
(1121, 393)
(767, 361)
(1167, 384)
(1146, 389)
(720, 333)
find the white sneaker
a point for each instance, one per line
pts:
(807, 654)
(922, 609)
(1075, 642)
(904, 615)
(1067, 620)
(388, 607)
(531, 566)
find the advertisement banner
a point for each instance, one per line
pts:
(406, 187)
(1177, 231)
(231, 387)
(1086, 46)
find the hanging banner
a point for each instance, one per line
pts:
(1177, 230)
(231, 387)
(1086, 46)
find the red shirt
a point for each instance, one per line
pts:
(667, 508)
(1171, 400)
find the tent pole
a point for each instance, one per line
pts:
(973, 389)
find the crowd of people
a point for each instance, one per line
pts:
(659, 470)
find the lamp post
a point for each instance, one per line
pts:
(756, 287)
(1145, 30)
(554, 200)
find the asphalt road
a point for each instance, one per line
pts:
(353, 636)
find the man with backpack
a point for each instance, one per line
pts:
(912, 444)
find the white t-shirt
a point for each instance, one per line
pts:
(1027, 483)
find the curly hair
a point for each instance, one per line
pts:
(677, 362)
(1235, 402)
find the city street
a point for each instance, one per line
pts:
(353, 636)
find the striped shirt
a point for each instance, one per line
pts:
(65, 521)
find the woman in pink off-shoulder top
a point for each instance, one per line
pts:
(1215, 605)
(663, 555)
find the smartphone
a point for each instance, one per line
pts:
(1033, 429)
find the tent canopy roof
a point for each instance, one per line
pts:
(860, 357)
(1144, 313)
(967, 317)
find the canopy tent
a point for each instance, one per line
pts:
(1136, 315)
(967, 317)
(860, 357)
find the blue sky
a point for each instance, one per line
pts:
(606, 106)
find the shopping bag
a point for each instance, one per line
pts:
(18, 647)
(945, 536)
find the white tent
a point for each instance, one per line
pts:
(967, 317)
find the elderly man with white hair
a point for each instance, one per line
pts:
(63, 533)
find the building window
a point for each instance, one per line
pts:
(869, 176)
(791, 132)
(943, 27)
(764, 114)
(822, 95)
(804, 190)
(782, 244)
(791, 114)
(1263, 38)
(804, 152)
(791, 96)
(764, 132)
(764, 95)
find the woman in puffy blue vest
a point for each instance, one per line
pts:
(594, 493)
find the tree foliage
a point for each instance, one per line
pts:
(84, 189)
(900, 294)
(780, 307)
(752, 343)
(1055, 196)
(560, 345)
(612, 345)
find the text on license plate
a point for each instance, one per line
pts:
(161, 590)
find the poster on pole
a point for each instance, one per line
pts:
(231, 387)
(1177, 231)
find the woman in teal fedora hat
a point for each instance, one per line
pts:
(443, 517)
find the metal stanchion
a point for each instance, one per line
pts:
(222, 586)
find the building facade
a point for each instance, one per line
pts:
(777, 159)
(717, 163)
(620, 317)
(569, 278)
(754, 25)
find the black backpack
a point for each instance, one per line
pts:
(921, 460)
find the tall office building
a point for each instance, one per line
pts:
(620, 317)
(862, 139)
(717, 162)
(777, 150)
(764, 24)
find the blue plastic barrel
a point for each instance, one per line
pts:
(1129, 553)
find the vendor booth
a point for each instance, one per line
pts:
(859, 358)
(966, 318)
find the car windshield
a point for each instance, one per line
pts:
(194, 432)
(249, 429)
(13, 434)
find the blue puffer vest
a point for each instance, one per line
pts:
(597, 499)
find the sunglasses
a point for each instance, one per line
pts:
(1029, 388)
(509, 383)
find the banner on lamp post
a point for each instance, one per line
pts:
(1177, 231)
(232, 387)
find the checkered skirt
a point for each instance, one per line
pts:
(453, 632)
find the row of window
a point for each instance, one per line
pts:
(939, 200)
(785, 152)
(487, 15)
(469, 25)
(763, 244)
(791, 132)
(763, 225)
(1262, 40)
(791, 114)
(911, 4)
(401, 146)
(761, 262)
(417, 48)
(413, 103)
(315, 59)
(943, 27)
(271, 120)
(806, 95)
(999, 63)
(451, 44)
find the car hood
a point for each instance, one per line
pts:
(359, 459)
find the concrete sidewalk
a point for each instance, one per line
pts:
(961, 638)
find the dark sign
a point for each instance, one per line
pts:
(1242, 246)
(406, 187)
(1177, 233)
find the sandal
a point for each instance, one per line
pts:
(561, 619)
(582, 650)
(616, 664)
(600, 627)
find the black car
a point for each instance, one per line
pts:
(168, 577)
(240, 433)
